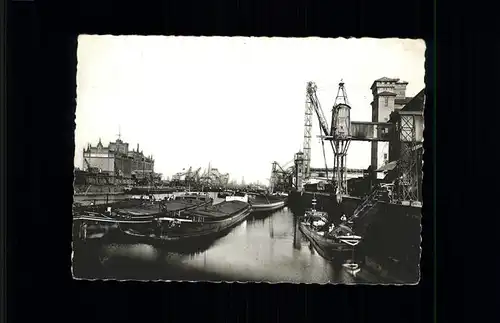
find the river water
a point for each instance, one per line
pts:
(269, 248)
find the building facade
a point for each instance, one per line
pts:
(407, 141)
(116, 159)
(389, 94)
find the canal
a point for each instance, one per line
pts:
(269, 248)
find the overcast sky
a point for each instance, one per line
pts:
(233, 101)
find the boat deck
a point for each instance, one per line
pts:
(151, 209)
(220, 210)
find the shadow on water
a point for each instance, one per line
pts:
(267, 248)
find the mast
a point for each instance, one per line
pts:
(313, 202)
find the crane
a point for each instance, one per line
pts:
(281, 176)
(91, 169)
(312, 103)
(338, 135)
(212, 176)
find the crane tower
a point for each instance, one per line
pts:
(341, 137)
(308, 116)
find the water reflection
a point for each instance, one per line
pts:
(269, 248)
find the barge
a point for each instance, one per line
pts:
(94, 222)
(335, 243)
(265, 203)
(391, 232)
(200, 222)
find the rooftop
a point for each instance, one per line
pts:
(384, 79)
(416, 104)
(403, 100)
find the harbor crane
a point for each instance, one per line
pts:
(339, 135)
(402, 131)
(281, 176)
(188, 177)
(212, 177)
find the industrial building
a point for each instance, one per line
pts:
(389, 94)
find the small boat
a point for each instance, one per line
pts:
(200, 222)
(331, 242)
(266, 203)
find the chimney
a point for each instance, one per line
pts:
(137, 147)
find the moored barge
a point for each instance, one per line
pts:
(266, 203)
(97, 221)
(200, 222)
(336, 243)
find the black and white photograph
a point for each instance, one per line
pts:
(248, 159)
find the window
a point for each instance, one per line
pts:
(385, 156)
(386, 101)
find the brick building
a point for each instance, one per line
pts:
(389, 94)
(116, 159)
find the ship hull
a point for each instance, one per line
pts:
(188, 230)
(263, 203)
(391, 245)
(391, 234)
(95, 223)
(267, 207)
(328, 249)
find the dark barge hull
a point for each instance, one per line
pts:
(90, 222)
(210, 227)
(391, 234)
(263, 204)
(267, 207)
(337, 252)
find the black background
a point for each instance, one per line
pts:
(41, 71)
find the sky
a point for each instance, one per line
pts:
(236, 102)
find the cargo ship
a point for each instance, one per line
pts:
(390, 247)
(200, 222)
